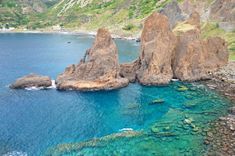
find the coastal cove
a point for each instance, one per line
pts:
(168, 119)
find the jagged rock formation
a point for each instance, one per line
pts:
(195, 58)
(187, 57)
(163, 56)
(173, 12)
(32, 80)
(128, 70)
(157, 47)
(99, 70)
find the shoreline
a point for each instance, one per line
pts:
(66, 32)
(220, 139)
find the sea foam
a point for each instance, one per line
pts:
(126, 129)
(53, 86)
(16, 153)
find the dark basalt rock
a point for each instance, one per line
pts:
(31, 80)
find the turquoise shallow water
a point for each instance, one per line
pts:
(50, 122)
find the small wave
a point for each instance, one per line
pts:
(16, 153)
(126, 129)
(53, 85)
(174, 80)
(34, 88)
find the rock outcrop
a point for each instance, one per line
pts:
(128, 70)
(195, 58)
(99, 70)
(186, 57)
(32, 80)
(173, 12)
(223, 10)
(157, 47)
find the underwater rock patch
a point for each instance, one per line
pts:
(97, 142)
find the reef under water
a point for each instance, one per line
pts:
(179, 127)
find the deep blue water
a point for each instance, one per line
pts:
(35, 122)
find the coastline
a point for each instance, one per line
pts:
(68, 32)
(221, 137)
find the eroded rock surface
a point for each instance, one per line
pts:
(99, 70)
(32, 80)
(195, 58)
(173, 12)
(128, 70)
(157, 47)
(223, 10)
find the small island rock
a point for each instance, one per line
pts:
(32, 80)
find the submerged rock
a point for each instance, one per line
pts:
(99, 70)
(65, 148)
(157, 48)
(32, 80)
(182, 88)
(157, 101)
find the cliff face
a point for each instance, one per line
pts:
(195, 58)
(157, 47)
(182, 54)
(99, 70)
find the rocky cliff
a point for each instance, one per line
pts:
(157, 47)
(98, 70)
(183, 54)
(195, 58)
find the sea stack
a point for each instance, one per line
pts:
(195, 58)
(158, 44)
(98, 70)
(32, 80)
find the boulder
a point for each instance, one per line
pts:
(157, 47)
(98, 70)
(31, 80)
(173, 12)
(195, 58)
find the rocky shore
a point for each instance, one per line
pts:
(32, 80)
(221, 137)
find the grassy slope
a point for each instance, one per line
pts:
(120, 16)
(12, 11)
(10, 14)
